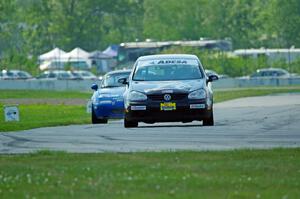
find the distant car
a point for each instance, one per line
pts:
(270, 72)
(56, 75)
(168, 88)
(82, 74)
(107, 101)
(15, 74)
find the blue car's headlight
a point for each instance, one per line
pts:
(96, 101)
(197, 94)
(107, 98)
(100, 97)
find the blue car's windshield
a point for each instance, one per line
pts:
(167, 72)
(111, 80)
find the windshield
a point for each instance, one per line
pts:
(111, 80)
(167, 71)
(23, 74)
(87, 74)
(64, 75)
(269, 73)
(44, 75)
(75, 74)
(9, 74)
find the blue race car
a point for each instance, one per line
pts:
(107, 101)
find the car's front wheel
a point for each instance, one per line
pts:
(210, 120)
(95, 120)
(130, 124)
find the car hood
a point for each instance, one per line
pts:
(183, 86)
(113, 91)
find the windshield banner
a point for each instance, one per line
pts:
(169, 62)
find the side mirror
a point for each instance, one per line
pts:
(94, 87)
(123, 80)
(212, 78)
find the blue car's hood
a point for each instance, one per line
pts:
(113, 91)
(109, 93)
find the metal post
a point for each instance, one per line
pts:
(289, 59)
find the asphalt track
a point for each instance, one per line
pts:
(254, 122)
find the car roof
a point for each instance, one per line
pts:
(80, 71)
(55, 71)
(271, 69)
(168, 56)
(118, 71)
(13, 71)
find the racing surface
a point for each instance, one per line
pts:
(254, 122)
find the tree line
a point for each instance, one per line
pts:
(32, 27)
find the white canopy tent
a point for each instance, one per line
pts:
(77, 54)
(78, 58)
(57, 59)
(55, 54)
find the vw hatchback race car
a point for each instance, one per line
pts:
(107, 101)
(168, 88)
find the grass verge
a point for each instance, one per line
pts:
(42, 115)
(224, 95)
(42, 94)
(34, 116)
(225, 174)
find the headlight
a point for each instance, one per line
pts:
(137, 96)
(99, 97)
(198, 94)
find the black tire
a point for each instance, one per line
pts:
(209, 121)
(130, 124)
(95, 120)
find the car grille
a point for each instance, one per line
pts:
(160, 97)
(117, 111)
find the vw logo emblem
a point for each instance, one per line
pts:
(167, 97)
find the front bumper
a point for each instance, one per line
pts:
(183, 113)
(113, 110)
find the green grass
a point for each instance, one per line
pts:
(230, 174)
(34, 116)
(224, 95)
(42, 115)
(43, 94)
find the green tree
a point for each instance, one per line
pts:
(286, 22)
(175, 19)
(32, 27)
(9, 28)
